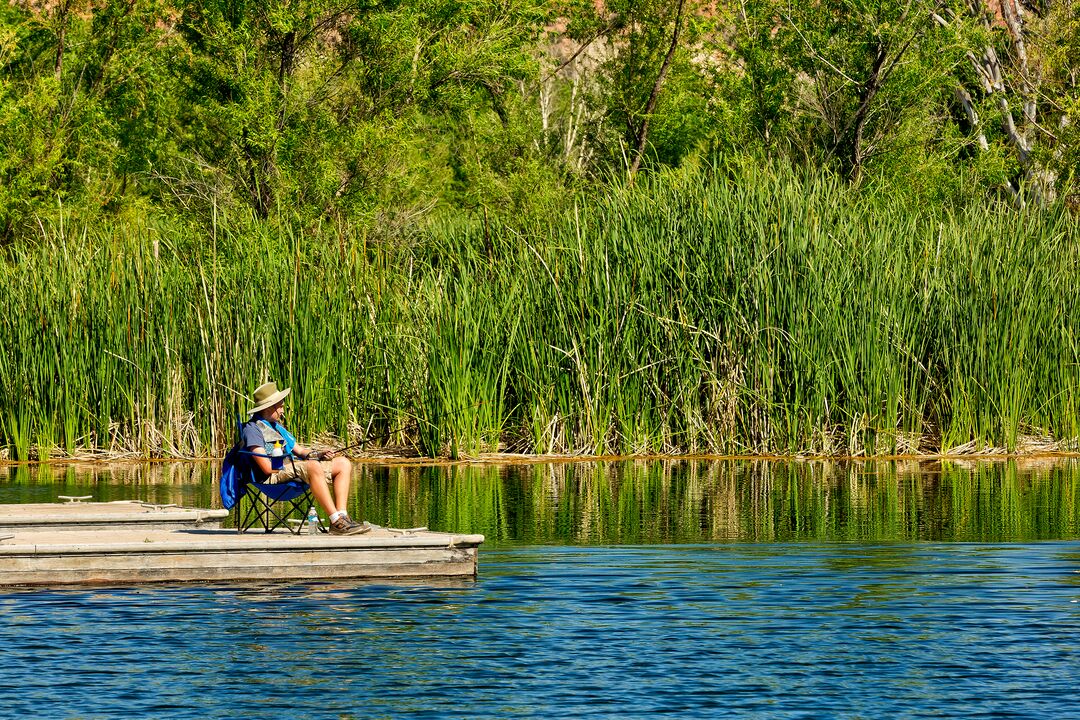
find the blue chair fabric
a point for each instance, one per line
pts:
(270, 504)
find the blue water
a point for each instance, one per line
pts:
(806, 630)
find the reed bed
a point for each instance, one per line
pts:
(762, 312)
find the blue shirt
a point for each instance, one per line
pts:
(275, 441)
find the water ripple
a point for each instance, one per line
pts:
(772, 631)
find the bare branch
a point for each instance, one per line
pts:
(563, 65)
(815, 53)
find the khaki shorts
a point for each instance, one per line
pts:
(298, 470)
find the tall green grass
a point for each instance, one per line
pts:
(756, 312)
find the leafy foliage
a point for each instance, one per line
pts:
(374, 113)
(416, 172)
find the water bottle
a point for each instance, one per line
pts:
(312, 521)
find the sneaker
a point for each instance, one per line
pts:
(364, 526)
(344, 526)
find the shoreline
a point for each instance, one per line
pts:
(500, 458)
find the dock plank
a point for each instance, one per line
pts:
(82, 515)
(127, 554)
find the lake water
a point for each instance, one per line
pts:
(611, 590)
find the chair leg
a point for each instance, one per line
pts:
(272, 514)
(253, 515)
(258, 513)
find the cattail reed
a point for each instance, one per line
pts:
(761, 313)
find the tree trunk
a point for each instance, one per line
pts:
(870, 90)
(643, 131)
(968, 106)
(879, 73)
(62, 11)
(288, 53)
(1040, 181)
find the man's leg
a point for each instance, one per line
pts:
(341, 474)
(316, 478)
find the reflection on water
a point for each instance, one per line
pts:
(584, 607)
(646, 502)
(183, 483)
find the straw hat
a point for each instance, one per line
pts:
(266, 395)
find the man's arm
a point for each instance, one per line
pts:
(305, 453)
(258, 455)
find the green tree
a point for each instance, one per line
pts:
(650, 93)
(316, 104)
(857, 79)
(1024, 81)
(80, 103)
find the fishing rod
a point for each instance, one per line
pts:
(360, 442)
(370, 436)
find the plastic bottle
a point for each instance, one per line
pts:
(312, 521)
(277, 457)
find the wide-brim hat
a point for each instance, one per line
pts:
(266, 395)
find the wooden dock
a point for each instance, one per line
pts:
(125, 551)
(97, 515)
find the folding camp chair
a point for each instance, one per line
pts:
(271, 505)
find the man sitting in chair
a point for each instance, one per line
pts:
(271, 444)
